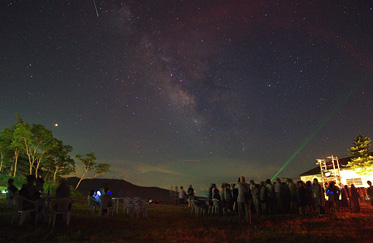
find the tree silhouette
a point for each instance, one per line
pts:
(90, 164)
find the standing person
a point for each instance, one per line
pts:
(190, 195)
(337, 192)
(106, 200)
(223, 196)
(213, 191)
(354, 199)
(92, 200)
(243, 200)
(271, 196)
(370, 192)
(234, 198)
(228, 198)
(331, 199)
(252, 184)
(182, 195)
(105, 189)
(293, 195)
(255, 194)
(302, 198)
(278, 195)
(344, 198)
(326, 187)
(318, 195)
(217, 202)
(310, 201)
(263, 197)
(348, 197)
(211, 194)
(285, 197)
(212, 187)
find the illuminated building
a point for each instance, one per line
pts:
(333, 169)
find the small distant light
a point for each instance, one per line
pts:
(56, 125)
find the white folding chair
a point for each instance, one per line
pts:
(197, 207)
(64, 206)
(128, 206)
(139, 206)
(215, 206)
(19, 200)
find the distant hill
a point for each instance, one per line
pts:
(122, 188)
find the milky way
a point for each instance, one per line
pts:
(191, 92)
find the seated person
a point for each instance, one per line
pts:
(63, 190)
(216, 194)
(30, 190)
(12, 190)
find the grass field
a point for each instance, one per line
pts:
(175, 224)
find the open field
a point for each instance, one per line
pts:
(176, 224)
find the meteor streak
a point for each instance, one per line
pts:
(94, 4)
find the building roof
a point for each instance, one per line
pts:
(316, 170)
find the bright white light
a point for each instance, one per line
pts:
(56, 125)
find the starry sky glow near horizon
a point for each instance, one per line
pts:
(191, 92)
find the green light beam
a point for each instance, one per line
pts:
(319, 126)
(306, 141)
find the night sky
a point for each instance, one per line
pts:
(173, 92)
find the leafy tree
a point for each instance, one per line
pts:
(35, 141)
(90, 164)
(22, 142)
(33, 149)
(19, 134)
(18, 118)
(43, 142)
(5, 142)
(59, 162)
(361, 161)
